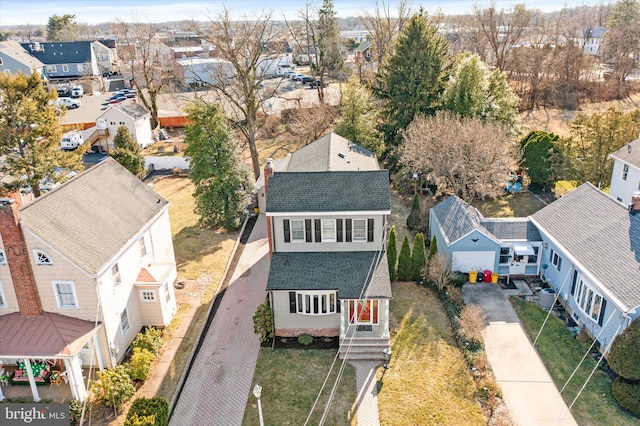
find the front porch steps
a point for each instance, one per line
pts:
(363, 348)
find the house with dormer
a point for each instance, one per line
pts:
(65, 60)
(82, 269)
(329, 274)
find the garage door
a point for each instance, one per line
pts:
(477, 260)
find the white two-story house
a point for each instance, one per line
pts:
(329, 274)
(625, 178)
(82, 269)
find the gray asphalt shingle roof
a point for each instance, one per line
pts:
(512, 229)
(337, 191)
(90, 218)
(601, 235)
(69, 52)
(346, 272)
(629, 153)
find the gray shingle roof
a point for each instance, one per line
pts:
(599, 233)
(512, 229)
(328, 191)
(92, 216)
(323, 155)
(346, 272)
(456, 218)
(629, 153)
(131, 108)
(70, 52)
(17, 52)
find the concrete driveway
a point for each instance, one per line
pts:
(529, 392)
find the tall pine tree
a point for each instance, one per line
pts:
(221, 179)
(127, 151)
(413, 78)
(404, 260)
(418, 257)
(392, 254)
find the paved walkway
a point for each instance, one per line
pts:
(219, 382)
(367, 386)
(529, 392)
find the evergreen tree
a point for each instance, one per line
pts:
(329, 57)
(62, 28)
(418, 257)
(413, 77)
(540, 159)
(476, 91)
(221, 179)
(127, 151)
(415, 217)
(404, 260)
(433, 247)
(392, 254)
(30, 134)
(359, 117)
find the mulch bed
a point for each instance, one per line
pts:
(292, 343)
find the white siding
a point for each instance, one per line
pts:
(284, 319)
(623, 189)
(281, 246)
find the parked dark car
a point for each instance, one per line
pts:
(63, 92)
(306, 79)
(317, 83)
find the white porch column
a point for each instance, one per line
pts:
(386, 318)
(97, 350)
(67, 366)
(343, 314)
(32, 380)
(74, 370)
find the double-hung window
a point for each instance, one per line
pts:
(124, 322)
(625, 172)
(65, 294)
(555, 259)
(504, 255)
(313, 302)
(297, 231)
(359, 230)
(328, 230)
(115, 274)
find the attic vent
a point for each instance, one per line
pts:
(341, 154)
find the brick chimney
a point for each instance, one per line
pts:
(17, 256)
(634, 208)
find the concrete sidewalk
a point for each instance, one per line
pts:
(219, 382)
(529, 391)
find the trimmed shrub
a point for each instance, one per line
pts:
(418, 257)
(75, 411)
(627, 394)
(392, 254)
(433, 247)
(458, 279)
(414, 220)
(404, 261)
(305, 339)
(148, 412)
(624, 358)
(140, 364)
(114, 387)
(263, 322)
(150, 340)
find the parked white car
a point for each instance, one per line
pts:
(77, 92)
(68, 103)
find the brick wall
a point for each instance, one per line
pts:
(17, 254)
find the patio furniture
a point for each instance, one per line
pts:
(4, 379)
(65, 376)
(55, 378)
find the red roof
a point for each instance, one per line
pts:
(42, 336)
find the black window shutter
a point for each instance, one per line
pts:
(348, 238)
(573, 282)
(339, 230)
(602, 309)
(559, 263)
(338, 303)
(307, 230)
(370, 230)
(287, 231)
(292, 302)
(318, 227)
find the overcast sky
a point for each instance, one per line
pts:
(37, 12)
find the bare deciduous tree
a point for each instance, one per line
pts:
(462, 156)
(148, 61)
(438, 271)
(310, 124)
(246, 45)
(502, 30)
(384, 27)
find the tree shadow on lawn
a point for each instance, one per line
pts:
(194, 243)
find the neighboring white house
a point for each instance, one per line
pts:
(202, 72)
(82, 269)
(106, 56)
(130, 114)
(590, 39)
(625, 178)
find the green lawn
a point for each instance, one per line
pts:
(510, 205)
(561, 353)
(291, 380)
(428, 382)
